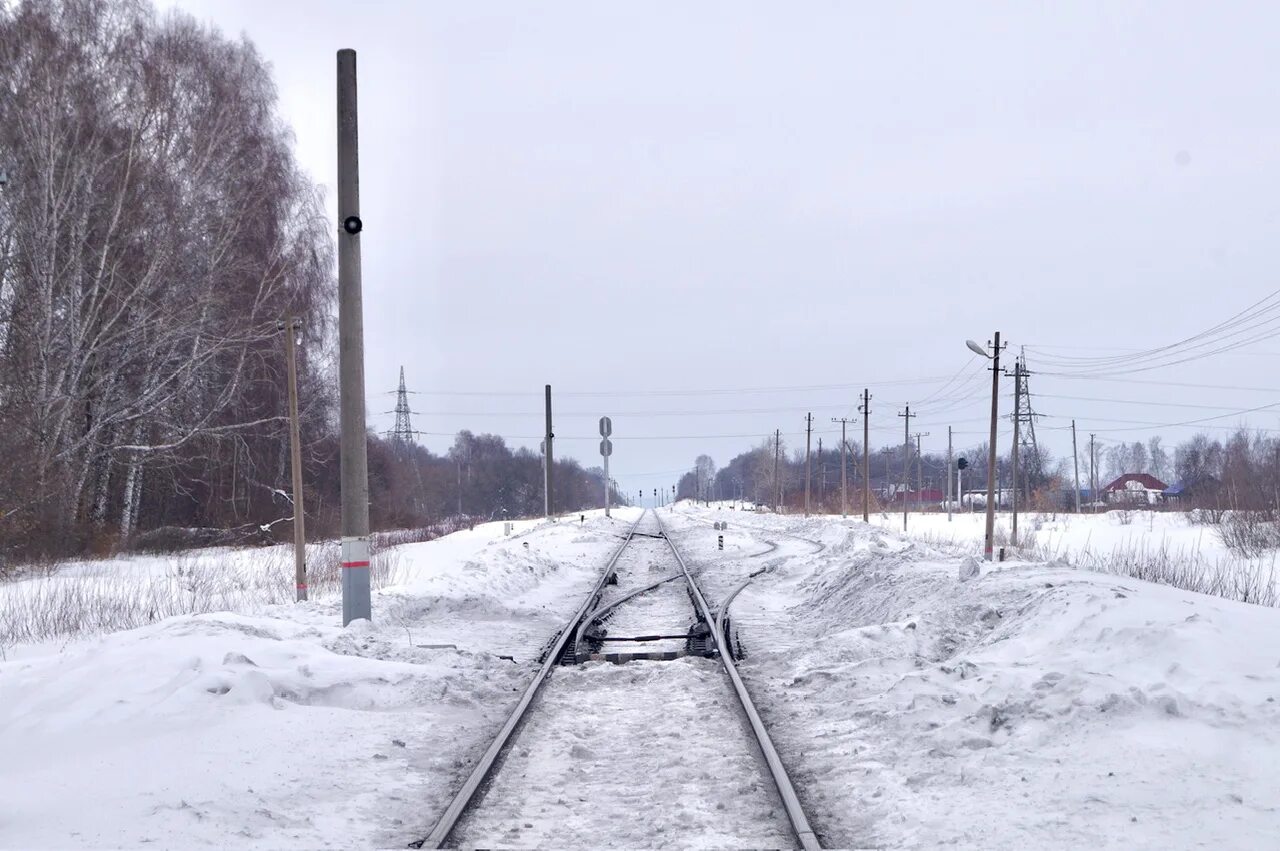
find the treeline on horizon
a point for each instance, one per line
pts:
(1240, 472)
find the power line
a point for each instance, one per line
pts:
(1267, 407)
(1260, 314)
(596, 437)
(1155, 382)
(807, 388)
(1130, 402)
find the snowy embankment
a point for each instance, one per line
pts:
(281, 728)
(1173, 547)
(1031, 706)
(1034, 705)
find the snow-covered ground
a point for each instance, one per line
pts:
(281, 729)
(1035, 705)
(1080, 538)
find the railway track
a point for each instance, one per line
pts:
(818, 546)
(665, 750)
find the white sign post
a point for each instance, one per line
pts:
(606, 449)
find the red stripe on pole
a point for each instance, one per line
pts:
(302, 586)
(355, 564)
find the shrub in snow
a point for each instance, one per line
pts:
(1249, 533)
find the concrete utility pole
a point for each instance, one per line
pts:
(844, 467)
(354, 460)
(1017, 417)
(808, 432)
(950, 463)
(1075, 459)
(906, 461)
(865, 410)
(989, 539)
(548, 503)
(777, 485)
(291, 326)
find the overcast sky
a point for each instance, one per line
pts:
(643, 199)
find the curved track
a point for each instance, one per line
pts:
(649, 753)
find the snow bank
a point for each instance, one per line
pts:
(1033, 706)
(282, 729)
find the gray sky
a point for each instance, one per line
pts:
(653, 198)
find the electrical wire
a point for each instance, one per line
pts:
(1263, 314)
(808, 388)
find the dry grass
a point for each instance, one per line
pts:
(55, 605)
(1245, 579)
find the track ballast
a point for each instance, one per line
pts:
(663, 751)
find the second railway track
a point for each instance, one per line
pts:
(666, 750)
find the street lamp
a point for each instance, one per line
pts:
(994, 357)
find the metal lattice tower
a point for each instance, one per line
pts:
(1034, 475)
(402, 435)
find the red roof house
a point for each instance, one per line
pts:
(1142, 488)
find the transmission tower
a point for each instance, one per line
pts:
(402, 439)
(403, 434)
(1026, 418)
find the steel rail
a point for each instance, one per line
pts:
(462, 800)
(786, 791)
(724, 606)
(599, 613)
(820, 546)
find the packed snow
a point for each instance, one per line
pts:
(1121, 540)
(918, 698)
(641, 755)
(1032, 706)
(282, 729)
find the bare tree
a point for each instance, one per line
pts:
(155, 231)
(1159, 459)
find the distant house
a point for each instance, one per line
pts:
(1181, 492)
(928, 496)
(1134, 489)
(977, 498)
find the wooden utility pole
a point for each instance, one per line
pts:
(353, 450)
(1093, 475)
(1075, 459)
(989, 539)
(808, 470)
(865, 409)
(777, 485)
(844, 466)
(822, 478)
(291, 326)
(920, 471)
(906, 461)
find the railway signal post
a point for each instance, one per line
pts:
(606, 449)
